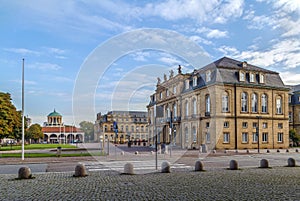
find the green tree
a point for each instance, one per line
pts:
(294, 137)
(88, 129)
(34, 132)
(10, 118)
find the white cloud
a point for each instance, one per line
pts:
(22, 51)
(201, 10)
(212, 33)
(290, 78)
(44, 66)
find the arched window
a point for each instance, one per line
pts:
(174, 110)
(207, 104)
(194, 106)
(194, 135)
(279, 105)
(186, 108)
(225, 102)
(254, 102)
(186, 132)
(244, 101)
(264, 103)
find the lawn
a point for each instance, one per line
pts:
(36, 146)
(40, 155)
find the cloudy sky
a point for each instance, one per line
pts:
(75, 51)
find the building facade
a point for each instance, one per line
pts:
(227, 104)
(55, 131)
(131, 125)
(294, 109)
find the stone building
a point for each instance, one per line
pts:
(55, 131)
(227, 104)
(294, 108)
(131, 125)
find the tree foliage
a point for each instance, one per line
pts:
(10, 118)
(88, 129)
(34, 132)
(294, 137)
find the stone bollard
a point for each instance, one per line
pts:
(80, 171)
(248, 151)
(214, 151)
(264, 163)
(151, 152)
(268, 151)
(297, 150)
(278, 151)
(199, 166)
(24, 173)
(165, 167)
(128, 168)
(233, 165)
(136, 153)
(122, 153)
(236, 151)
(291, 162)
(225, 151)
(287, 151)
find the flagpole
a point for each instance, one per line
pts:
(23, 119)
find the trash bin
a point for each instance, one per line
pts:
(58, 153)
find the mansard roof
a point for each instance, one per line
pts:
(228, 72)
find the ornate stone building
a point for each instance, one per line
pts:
(227, 104)
(55, 131)
(131, 125)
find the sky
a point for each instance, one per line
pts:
(85, 57)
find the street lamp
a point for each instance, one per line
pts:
(257, 132)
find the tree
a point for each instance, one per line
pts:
(10, 118)
(88, 129)
(34, 132)
(294, 137)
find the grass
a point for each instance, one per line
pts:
(41, 155)
(36, 146)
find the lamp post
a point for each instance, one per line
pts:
(257, 132)
(23, 115)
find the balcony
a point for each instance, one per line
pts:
(207, 114)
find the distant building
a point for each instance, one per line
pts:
(131, 125)
(55, 131)
(221, 106)
(294, 108)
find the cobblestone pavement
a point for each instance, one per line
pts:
(280, 183)
(105, 181)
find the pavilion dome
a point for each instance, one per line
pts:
(54, 114)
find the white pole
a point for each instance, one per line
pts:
(23, 118)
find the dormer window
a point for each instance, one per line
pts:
(251, 77)
(261, 78)
(187, 84)
(167, 92)
(194, 81)
(244, 64)
(174, 90)
(208, 76)
(242, 76)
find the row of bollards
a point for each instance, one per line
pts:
(80, 170)
(248, 151)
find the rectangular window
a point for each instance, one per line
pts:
(245, 124)
(174, 90)
(226, 124)
(242, 76)
(265, 125)
(280, 137)
(208, 76)
(290, 99)
(226, 138)
(207, 124)
(244, 137)
(194, 81)
(252, 77)
(167, 92)
(280, 125)
(264, 137)
(290, 116)
(160, 95)
(254, 124)
(207, 137)
(261, 78)
(254, 137)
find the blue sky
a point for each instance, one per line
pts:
(58, 39)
